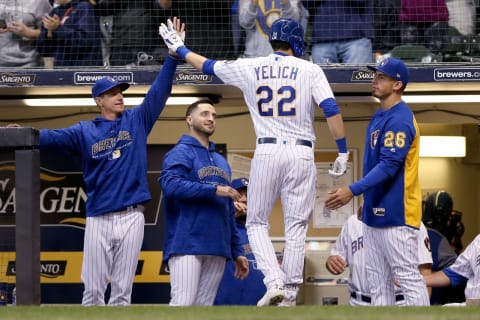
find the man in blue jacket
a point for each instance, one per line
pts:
(113, 150)
(199, 212)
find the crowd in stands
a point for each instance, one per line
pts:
(124, 33)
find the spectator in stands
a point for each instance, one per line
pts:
(386, 25)
(19, 28)
(462, 15)
(424, 22)
(238, 33)
(256, 17)
(134, 30)
(342, 31)
(209, 27)
(71, 34)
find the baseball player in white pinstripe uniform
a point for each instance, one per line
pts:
(281, 92)
(392, 199)
(348, 252)
(466, 269)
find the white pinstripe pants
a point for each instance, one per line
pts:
(288, 171)
(110, 253)
(195, 279)
(392, 253)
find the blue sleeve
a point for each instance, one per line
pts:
(66, 140)
(42, 46)
(330, 107)
(455, 278)
(373, 178)
(84, 27)
(77, 34)
(237, 247)
(157, 95)
(208, 67)
(175, 181)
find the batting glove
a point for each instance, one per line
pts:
(339, 166)
(170, 36)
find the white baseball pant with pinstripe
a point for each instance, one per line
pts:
(286, 170)
(110, 254)
(282, 93)
(392, 253)
(195, 279)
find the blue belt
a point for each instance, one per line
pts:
(298, 142)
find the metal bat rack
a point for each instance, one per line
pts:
(24, 142)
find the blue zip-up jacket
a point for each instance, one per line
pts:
(77, 41)
(114, 152)
(336, 20)
(198, 222)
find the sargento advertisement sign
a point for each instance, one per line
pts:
(62, 197)
(62, 224)
(9, 78)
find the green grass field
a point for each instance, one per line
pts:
(161, 312)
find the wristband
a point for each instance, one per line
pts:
(183, 51)
(342, 145)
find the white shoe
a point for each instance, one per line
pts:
(287, 303)
(272, 297)
(290, 299)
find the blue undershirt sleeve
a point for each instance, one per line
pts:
(455, 278)
(330, 107)
(208, 67)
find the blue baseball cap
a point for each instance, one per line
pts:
(240, 183)
(104, 84)
(394, 68)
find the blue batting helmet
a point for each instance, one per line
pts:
(289, 31)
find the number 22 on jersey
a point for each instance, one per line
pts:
(276, 104)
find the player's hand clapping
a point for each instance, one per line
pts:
(51, 23)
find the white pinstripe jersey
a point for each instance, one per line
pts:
(468, 265)
(349, 246)
(280, 91)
